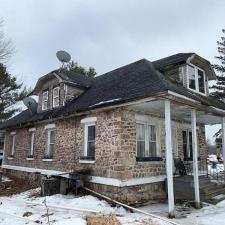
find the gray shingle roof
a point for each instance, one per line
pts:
(131, 82)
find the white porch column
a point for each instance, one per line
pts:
(195, 158)
(223, 140)
(169, 159)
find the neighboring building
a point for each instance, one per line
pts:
(219, 145)
(115, 125)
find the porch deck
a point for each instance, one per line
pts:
(211, 192)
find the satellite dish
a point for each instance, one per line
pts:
(31, 104)
(63, 56)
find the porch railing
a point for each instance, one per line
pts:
(215, 171)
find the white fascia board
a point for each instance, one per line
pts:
(50, 126)
(89, 120)
(94, 179)
(181, 96)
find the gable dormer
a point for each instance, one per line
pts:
(188, 69)
(59, 87)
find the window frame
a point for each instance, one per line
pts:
(12, 147)
(87, 122)
(196, 68)
(147, 124)
(45, 100)
(32, 132)
(49, 128)
(86, 139)
(55, 97)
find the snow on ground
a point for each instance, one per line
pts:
(62, 210)
(186, 215)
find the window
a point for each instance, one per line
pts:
(89, 139)
(31, 143)
(196, 79)
(89, 151)
(12, 144)
(45, 100)
(146, 142)
(187, 144)
(174, 142)
(2, 137)
(50, 143)
(140, 140)
(55, 97)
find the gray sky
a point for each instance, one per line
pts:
(107, 34)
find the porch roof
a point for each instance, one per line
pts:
(180, 111)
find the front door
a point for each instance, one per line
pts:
(187, 145)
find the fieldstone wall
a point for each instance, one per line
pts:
(115, 150)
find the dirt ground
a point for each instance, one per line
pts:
(102, 220)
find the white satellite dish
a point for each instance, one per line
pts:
(31, 104)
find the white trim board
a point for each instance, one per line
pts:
(130, 182)
(94, 179)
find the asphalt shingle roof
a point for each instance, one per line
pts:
(134, 81)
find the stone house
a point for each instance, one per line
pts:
(126, 125)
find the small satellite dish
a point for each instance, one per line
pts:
(63, 56)
(31, 104)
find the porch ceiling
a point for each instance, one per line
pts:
(178, 112)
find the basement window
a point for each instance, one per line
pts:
(55, 97)
(45, 100)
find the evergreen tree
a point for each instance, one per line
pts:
(76, 68)
(219, 87)
(10, 93)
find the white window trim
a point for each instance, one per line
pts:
(65, 93)
(196, 68)
(175, 151)
(141, 119)
(32, 131)
(86, 135)
(54, 97)
(12, 150)
(47, 160)
(43, 101)
(86, 161)
(50, 126)
(89, 120)
(48, 143)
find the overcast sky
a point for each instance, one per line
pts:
(107, 34)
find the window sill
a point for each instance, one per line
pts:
(30, 159)
(10, 157)
(149, 159)
(82, 161)
(47, 160)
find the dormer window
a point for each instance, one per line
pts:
(196, 79)
(55, 97)
(45, 100)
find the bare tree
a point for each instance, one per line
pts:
(6, 46)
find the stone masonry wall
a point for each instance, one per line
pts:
(115, 146)
(115, 155)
